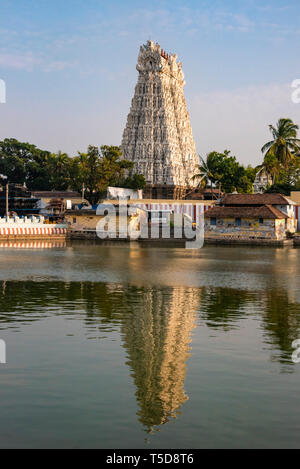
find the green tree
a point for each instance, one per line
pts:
(102, 167)
(59, 165)
(285, 144)
(287, 180)
(137, 181)
(271, 165)
(222, 169)
(14, 157)
(204, 173)
(24, 163)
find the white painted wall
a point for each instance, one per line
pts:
(27, 222)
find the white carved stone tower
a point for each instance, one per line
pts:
(158, 134)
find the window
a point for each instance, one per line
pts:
(238, 222)
(213, 221)
(74, 219)
(261, 221)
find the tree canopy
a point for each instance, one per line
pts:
(93, 171)
(224, 171)
(285, 144)
(102, 167)
(282, 157)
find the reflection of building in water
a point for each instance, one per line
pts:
(157, 337)
(33, 244)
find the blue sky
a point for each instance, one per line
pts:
(69, 68)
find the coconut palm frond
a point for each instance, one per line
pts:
(285, 143)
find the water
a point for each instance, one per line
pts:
(126, 346)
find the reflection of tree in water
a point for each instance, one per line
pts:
(156, 324)
(224, 307)
(22, 302)
(281, 322)
(156, 337)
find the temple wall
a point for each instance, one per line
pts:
(250, 228)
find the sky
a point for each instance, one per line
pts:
(69, 68)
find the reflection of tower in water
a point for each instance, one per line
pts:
(157, 336)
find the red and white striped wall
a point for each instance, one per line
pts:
(32, 244)
(193, 210)
(34, 231)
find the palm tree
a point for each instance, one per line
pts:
(59, 166)
(204, 174)
(271, 166)
(285, 144)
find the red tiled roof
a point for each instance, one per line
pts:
(264, 211)
(255, 199)
(56, 194)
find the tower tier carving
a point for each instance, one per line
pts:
(158, 135)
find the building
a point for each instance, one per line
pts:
(84, 223)
(295, 197)
(206, 193)
(158, 134)
(115, 193)
(245, 223)
(262, 181)
(256, 217)
(19, 201)
(54, 203)
(279, 201)
(82, 220)
(191, 208)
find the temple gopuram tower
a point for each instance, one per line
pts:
(158, 135)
